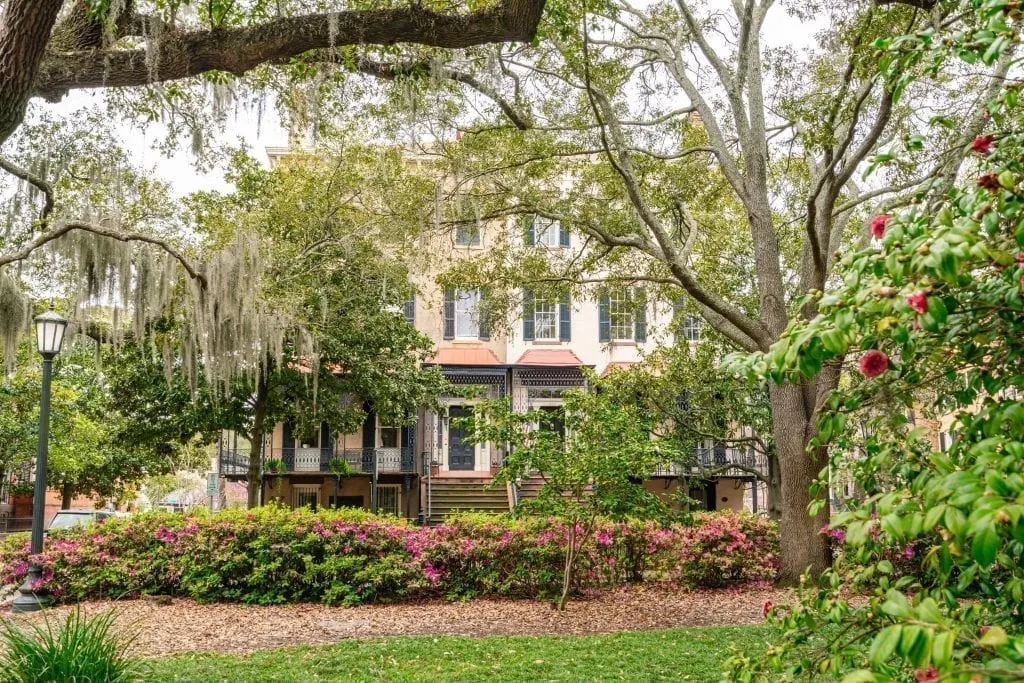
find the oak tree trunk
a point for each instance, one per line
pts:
(802, 546)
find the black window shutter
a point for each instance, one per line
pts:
(325, 437)
(640, 322)
(409, 310)
(565, 319)
(369, 427)
(529, 235)
(604, 323)
(481, 312)
(528, 310)
(563, 235)
(449, 313)
(288, 435)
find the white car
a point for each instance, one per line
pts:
(65, 519)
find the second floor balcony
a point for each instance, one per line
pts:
(718, 461)
(312, 460)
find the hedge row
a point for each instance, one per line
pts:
(273, 555)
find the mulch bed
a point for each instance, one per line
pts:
(185, 626)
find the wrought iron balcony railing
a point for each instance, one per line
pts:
(726, 462)
(300, 460)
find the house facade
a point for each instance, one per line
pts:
(432, 468)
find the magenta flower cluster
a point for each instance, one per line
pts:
(273, 555)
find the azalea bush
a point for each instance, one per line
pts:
(272, 555)
(929, 323)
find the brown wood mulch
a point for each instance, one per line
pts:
(185, 626)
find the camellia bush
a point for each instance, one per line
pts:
(929, 319)
(272, 555)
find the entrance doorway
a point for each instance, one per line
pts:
(461, 454)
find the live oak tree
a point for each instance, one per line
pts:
(688, 154)
(49, 48)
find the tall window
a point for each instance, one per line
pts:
(467, 236)
(621, 310)
(690, 329)
(547, 232)
(545, 319)
(467, 320)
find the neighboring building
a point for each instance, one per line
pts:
(431, 469)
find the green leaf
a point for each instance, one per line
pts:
(859, 676)
(942, 648)
(884, 644)
(995, 636)
(986, 545)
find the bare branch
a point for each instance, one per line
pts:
(522, 121)
(38, 182)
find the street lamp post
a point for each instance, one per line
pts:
(50, 329)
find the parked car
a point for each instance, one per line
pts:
(65, 519)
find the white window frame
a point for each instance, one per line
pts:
(621, 317)
(545, 310)
(467, 321)
(690, 329)
(472, 231)
(547, 232)
(380, 434)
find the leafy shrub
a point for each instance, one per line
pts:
(273, 555)
(81, 649)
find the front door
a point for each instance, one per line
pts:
(461, 455)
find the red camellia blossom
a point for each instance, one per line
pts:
(873, 363)
(989, 181)
(929, 675)
(983, 144)
(878, 224)
(918, 301)
(767, 608)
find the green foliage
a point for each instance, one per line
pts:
(934, 310)
(91, 452)
(594, 469)
(81, 648)
(272, 555)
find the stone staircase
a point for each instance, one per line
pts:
(463, 495)
(529, 487)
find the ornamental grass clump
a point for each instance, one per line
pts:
(81, 648)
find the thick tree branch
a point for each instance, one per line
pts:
(177, 55)
(64, 228)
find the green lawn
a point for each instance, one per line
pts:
(689, 654)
